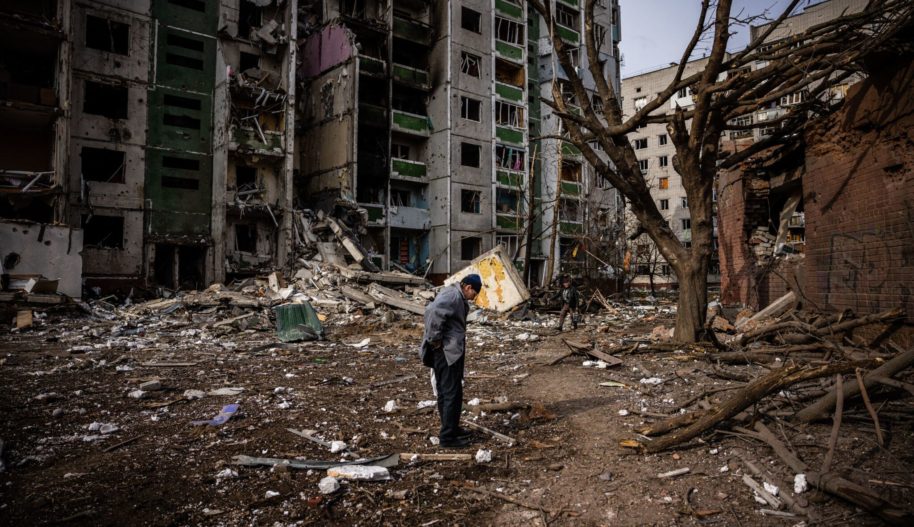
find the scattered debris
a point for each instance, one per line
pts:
(221, 418)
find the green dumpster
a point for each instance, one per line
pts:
(296, 322)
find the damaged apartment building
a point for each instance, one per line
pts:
(164, 140)
(426, 117)
(160, 130)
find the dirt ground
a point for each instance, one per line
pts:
(566, 467)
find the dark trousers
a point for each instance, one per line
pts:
(566, 310)
(449, 383)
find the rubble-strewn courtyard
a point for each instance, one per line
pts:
(99, 408)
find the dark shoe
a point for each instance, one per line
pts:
(469, 435)
(459, 442)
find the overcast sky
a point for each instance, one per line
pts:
(655, 32)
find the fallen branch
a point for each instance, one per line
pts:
(869, 407)
(836, 427)
(744, 398)
(836, 485)
(493, 433)
(825, 404)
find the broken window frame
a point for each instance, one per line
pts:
(470, 107)
(510, 158)
(664, 204)
(509, 31)
(99, 240)
(470, 65)
(686, 224)
(662, 139)
(510, 115)
(663, 161)
(470, 201)
(664, 183)
(119, 46)
(97, 99)
(118, 175)
(640, 143)
(567, 17)
(643, 165)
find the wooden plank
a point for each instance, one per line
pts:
(493, 433)
(356, 295)
(406, 457)
(605, 357)
(774, 309)
(390, 297)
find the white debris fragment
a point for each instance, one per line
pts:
(473, 402)
(194, 394)
(522, 337)
(108, 428)
(714, 451)
(651, 380)
(151, 386)
(364, 342)
(227, 391)
(434, 440)
(270, 494)
(483, 456)
(589, 363)
(328, 485)
(772, 489)
(426, 404)
(337, 446)
(724, 468)
(226, 473)
(391, 406)
(623, 412)
(137, 394)
(800, 485)
(359, 472)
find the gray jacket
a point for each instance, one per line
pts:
(446, 321)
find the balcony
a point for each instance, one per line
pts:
(568, 35)
(412, 30)
(571, 188)
(509, 135)
(509, 52)
(372, 66)
(570, 3)
(375, 213)
(510, 178)
(372, 114)
(411, 76)
(571, 228)
(269, 143)
(406, 170)
(569, 150)
(509, 93)
(414, 218)
(509, 9)
(510, 222)
(409, 123)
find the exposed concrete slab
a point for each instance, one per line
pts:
(503, 288)
(52, 251)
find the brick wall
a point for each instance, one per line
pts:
(736, 261)
(859, 199)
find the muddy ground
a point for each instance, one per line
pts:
(70, 371)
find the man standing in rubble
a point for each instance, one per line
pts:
(570, 299)
(443, 349)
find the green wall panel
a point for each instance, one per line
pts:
(180, 120)
(196, 15)
(179, 190)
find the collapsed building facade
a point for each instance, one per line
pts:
(183, 139)
(159, 128)
(427, 116)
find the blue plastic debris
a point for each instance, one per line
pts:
(221, 418)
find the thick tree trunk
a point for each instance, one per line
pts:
(693, 299)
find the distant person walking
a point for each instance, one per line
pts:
(443, 349)
(570, 300)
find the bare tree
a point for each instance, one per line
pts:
(813, 60)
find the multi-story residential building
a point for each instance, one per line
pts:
(655, 154)
(427, 116)
(169, 131)
(581, 213)
(161, 128)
